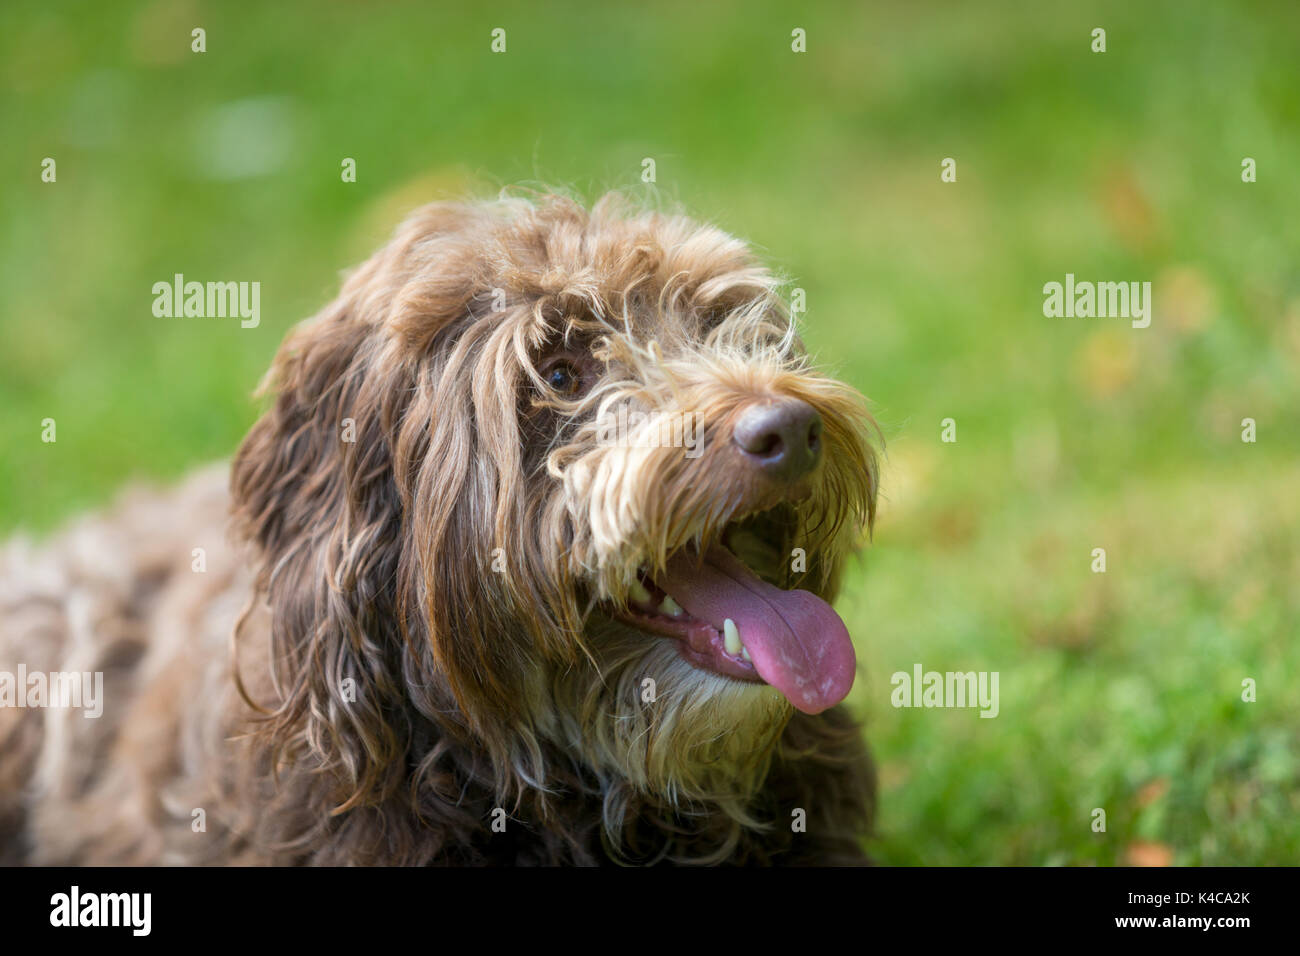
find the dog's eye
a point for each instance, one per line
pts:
(563, 379)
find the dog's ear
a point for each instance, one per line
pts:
(312, 488)
(383, 490)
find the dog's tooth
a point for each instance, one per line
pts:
(670, 607)
(744, 652)
(639, 592)
(731, 635)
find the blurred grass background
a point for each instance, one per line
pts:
(1119, 690)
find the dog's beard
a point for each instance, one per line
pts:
(652, 723)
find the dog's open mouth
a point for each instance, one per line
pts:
(731, 621)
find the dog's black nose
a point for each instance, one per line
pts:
(782, 437)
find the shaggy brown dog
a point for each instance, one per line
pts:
(516, 580)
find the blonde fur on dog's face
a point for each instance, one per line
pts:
(474, 548)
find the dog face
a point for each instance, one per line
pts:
(570, 478)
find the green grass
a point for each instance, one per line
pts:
(1119, 691)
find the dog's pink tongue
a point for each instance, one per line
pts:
(798, 643)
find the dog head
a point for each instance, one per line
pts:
(566, 485)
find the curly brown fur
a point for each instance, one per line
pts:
(421, 619)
